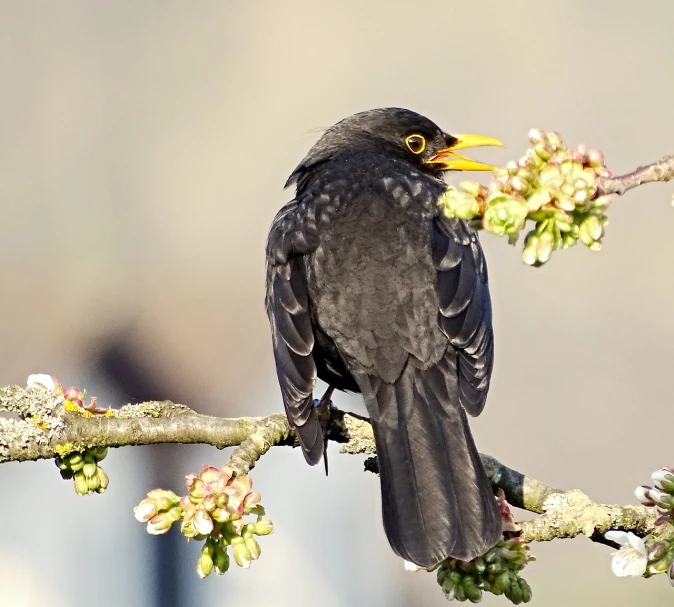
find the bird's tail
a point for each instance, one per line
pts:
(437, 501)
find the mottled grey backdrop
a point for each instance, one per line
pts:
(143, 150)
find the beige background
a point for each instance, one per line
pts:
(144, 148)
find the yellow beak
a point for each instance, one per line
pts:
(449, 160)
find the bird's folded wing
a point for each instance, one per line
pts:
(465, 307)
(292, 334)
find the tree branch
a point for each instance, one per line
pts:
(45, 425)
(662, 170)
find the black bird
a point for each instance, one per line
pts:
(373, 290)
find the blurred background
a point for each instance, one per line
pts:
(144, 149)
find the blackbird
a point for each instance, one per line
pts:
(373, 290)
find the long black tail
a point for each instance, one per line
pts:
(437, 501)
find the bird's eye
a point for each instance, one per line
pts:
(415, 143)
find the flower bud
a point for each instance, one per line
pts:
(253, 547)
(657, 551)
(556, 140)
(93, 483)
(241, 553)
(204, 566)
(595, 158)
(221, 515)
(263, 527)
(203, 523)
(544, 247)
(643, 495)
(537, 136)
(209, 502)
(159, 524)
(544, 151)
(81, 486)
(251, 500)
(472, 188)
(209, 474)
(663, 479)
(221, 561)
(198, 490)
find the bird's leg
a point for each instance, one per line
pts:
(323, 408)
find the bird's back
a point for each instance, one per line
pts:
(371, 280)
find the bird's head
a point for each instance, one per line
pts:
(399, 133)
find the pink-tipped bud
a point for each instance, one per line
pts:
(159, 524)
(251, 500)
(203, 523)
(537, 136)
(74, 395)
(595, 158)
(209, 474)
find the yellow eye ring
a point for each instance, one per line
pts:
(415, 143)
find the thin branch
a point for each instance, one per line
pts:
(662, 170)
(46, 426)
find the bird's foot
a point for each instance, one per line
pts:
(323, 408)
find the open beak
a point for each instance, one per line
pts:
(448, 160)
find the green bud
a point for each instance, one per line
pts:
(99, 453)
(253, 547)
(502, 581)
(544, 247)
(459, 204)
(175, 513)
(93, 483)
(221, 561)
(473, 593)
(242, 555)
(198, 489)
(519, 185)
(81, 486)
(221, 515)
(568, 188)
(515, 594)
(89, 470)
(564, 201)
(556, 140)
(602, 201)
(459, 592)
(103, 479)
(187, 527)
(204, 566)
(544, 151)
(263, 527)
(472, 188)
(75, 459)
(526, 591)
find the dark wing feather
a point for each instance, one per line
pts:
(292, 333)
(465, 307)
